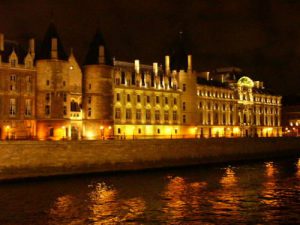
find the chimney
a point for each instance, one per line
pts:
(155, 68)
(32, 47)
(137, 66)
(54, 48)
(1, 42)
(189, 63)
(101, 58)
(167, 64)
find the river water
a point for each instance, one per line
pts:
(264, 192)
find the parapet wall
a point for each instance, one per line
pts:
(19, 159)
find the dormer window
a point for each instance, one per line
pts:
(13, 63)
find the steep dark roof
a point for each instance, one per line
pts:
(93, 52)
(178, 54)
(45, 51)
(9, 46)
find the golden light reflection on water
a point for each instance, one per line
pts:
(269, 194)
(181, 199)
(298, 168)
(64, 211)
(229, 179)
(227, 198)
(107, 207)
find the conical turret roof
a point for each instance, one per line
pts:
(45, 49)
(92, 57)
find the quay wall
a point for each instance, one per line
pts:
(21, 159)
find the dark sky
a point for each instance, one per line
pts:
(260, 36)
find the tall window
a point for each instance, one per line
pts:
(47, 110)
(183, 87)
(148, 115)
(65, 97)
(157, 115)
(166, 115)
(148, 99)
(184, 119)
(12, 107)
(89, 111)
(128, 97)
(128, 114)
(166, 101)
(175, 101)
(175, 115)
(47, 98)
(118, 113)
(90, 99)
(157, 99)
(28, 84)
(28, 107)
(138, 114)
(65, 110)
(138, 98)
(183, 106)
(118, 97)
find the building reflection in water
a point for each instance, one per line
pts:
(107, 208)
(65, 211)
(181, 199)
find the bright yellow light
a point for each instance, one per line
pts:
(7, 127)
(101, 128)
(90, 135)
(109, 127)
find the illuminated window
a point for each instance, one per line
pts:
(175, 115)
(118, 113)
(148, 115)
(166, 115)
(13, 63)
(12, 107)
(13, 77)
(28, 107)
(128, 114)
(157, 115)
(138, 114)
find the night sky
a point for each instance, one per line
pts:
(260, 36)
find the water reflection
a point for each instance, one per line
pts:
(298, 168)
(182, 199)
(107, 207)
(64, 211)
(251, 193)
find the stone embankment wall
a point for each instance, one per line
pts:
(19, 159)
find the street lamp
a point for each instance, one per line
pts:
(7, 131)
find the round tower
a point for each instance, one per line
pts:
(98, 91)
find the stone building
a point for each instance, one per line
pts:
(58, 90)
(46, 95)
(17, 90)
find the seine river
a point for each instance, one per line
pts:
(265, 192)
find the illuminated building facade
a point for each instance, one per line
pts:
(117, 99)
(291, 116)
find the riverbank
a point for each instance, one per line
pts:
(23, 159)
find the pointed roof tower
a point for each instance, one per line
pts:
(98, 52)
(52, 43)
